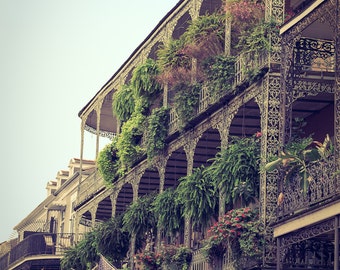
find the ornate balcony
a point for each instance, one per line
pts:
(38, 247)
(323, 187)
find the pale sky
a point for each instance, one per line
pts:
(54, 57)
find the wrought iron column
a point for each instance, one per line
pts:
(161, 166)
(272, 126)
(98, 110)
(272, 130)
(337, 91)
(189, 149)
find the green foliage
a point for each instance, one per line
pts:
(197, 194)
(219, 72)
(297, 155)
(235, 169)
(83, 255)
(256, 38)
(203, 38)
(170, 55)
(128, 142)
(72, 260)
(139, 218)
(175, 256)
(123, 103)
(137, 96)
(108, 162)
(144, 81)
(204, 25)
(186, 102)
(112, 241)
(108, 239)
(169, 211)
(157, 131)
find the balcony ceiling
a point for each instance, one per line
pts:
(108, 122)
(319, 30)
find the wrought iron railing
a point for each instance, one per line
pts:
(49, 244)
(90, 186)
(173, 121)
(309, 254)
(313, 57)
(323, 185)
(247, 63)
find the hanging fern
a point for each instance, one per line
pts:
(204, 36)
(169, 211)
(123, 103)
(170, 55)
(235, 170)
(197, 194)
(112, 241)
(186, 102)
(129, 142)
(139, 218)
(144, 81)
(83, 255)
(108, 162)
(157, 131)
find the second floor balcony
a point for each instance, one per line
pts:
(37, 248)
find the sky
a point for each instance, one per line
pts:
(54, 57)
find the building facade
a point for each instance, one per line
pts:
(284, 86)
(299, 81)
(45, 234)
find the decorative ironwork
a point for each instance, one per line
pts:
(271, 120)
(274, 9)
(310, 254)
(248, 61)
(322, 186)
(90, 186)
(105, 134)
(287, 241)
(313, 55)
(337, 89)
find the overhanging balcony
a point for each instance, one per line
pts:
(323, 188)
(38, 250)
